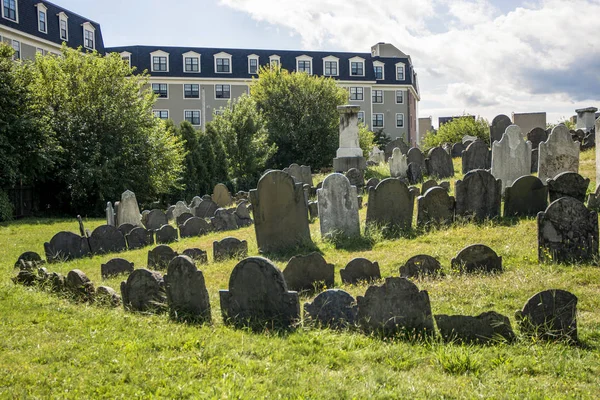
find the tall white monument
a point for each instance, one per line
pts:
(349, 154)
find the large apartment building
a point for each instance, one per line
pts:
(194, 83)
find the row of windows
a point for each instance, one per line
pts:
(192, 116)
(191, 91)
(379, 121)
(357, 94)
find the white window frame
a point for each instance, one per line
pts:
(337, 63)
(397, 114)
(225, 56)
(223, 98)
(359, 60)
(191, 98)
(87, 26)
(363, 116)
(159, 53)
(16, 20)
(199, 116)
(276, 58)
(253, 57)
(356, 87)
(161, 110)
(400, 91)
(41, 8)
(192, 54)
(400, 64)
(63, 17)
(304, 57)
(373, 95)
(157, 96)
(382, 65)
(126, 54)
(16, 45)
(382, 121)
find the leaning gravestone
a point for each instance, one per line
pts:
(511, 157)
(258, 296)
(79, 285)
(155, 219)
(416, 156)
(66, 246)
(398, 164)
(551, 314)
(499, 125)
(205, 209)
(280, 213)
(229, 247)
(160, 257)
(526, 197)
(186, 291)
(221, 196)
(391, 205)
(421, 265)
(396, 143)
(457, 149)
(309, 272)
(477, 258)
(360, 269)
(338, 207)
(144, 291)
(116, 266)
(180, 208)
(333, 308)
(478, 195)
(484, 328)
(476, 156)
(414, 174)
(395, 307)
(537, 136)
(129, 211)
(197, 255)
(567, 232)
(107, 239)
(138, 238)
(558, 154)
(439, 163)
(568, 184)
(166, 234)
(194, 226)
(435, 207)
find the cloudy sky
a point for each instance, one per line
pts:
(472, 56)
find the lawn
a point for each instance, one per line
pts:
(51, 347)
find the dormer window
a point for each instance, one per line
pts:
(330, 66)
(399, 71)
(191, 62)
(304, 64)
(64, 26)
(160, 61)
(378, 70)
(89, 33)
(252, 64)
(42, 18)
(9, 10)
(357, 66)
(126, 56)
(275, 61)
(223, 63)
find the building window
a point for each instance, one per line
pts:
(378, 96)
(9, 10)
(400, 72)
(357, 93)
(331, 68)
(159, 64)
(361, 117)
(39, 50)
(192, 116)
(274, 62)
(304, 66)
(17, 48)
(222, 91)
(378, 120)
(399, 97)
(378, 72)
(223, 65)
(357, 68)
(253, 65)
(161, 89)
(399, 120)
(125, 56)
(192, 64)
(64, 30)
(162, 114)
(88, 39)
(191, 91)
(42, 21)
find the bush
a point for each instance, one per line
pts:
(366, 139)
(453, 132)
(6, 208)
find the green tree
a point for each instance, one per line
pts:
(301, 115)
(246, 139)
(195, 170)
(214, 150)
(101, 115)
(366, 139)
(453, 131)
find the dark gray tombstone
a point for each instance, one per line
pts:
(439, 163)
(499, 125)
(421, 265)
(198, 255)
(478, 195)
(359, 270)
(593, 202)
(166, 234)
(114, 267)
(567, 232)
(414, 174)
(310, 272)
(31, 259)
(415, 155)
(242, 214)
(280, 213)
(333, 308)
(435, 208)
(169, 213)
(551, 314)
(144, 217)
(258, 297)
(138, 238)
(457, 149)
(229, 247)
(160, 256)
(313, 210)
(193, 227)
(482, 329)
(183, 217)
(428, 185)
(79, 286)
(356, 178)
(206, 209)
(155, 219)
(391, 205)
(144, 291)
(536, 136)
(224, 220)
(66, 246)
(534, 161)
(196, 200)
(107, 239)
(372, 183)
(186, 291)
(568, 184)
(476, 156)
(525, 198)
(126, 228)
(589, 141)
(399, 143)
(396, 307)
(477, 258)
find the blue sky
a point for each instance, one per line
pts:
(481, 57)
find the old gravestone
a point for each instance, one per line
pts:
(107, 296)
(478, 195)
(224, 220)
(511, 157)
(196, 200)
(349, 154)
(356, 178)
(569, 184)
(396, 143)
(360, 269)
(126, 228)
(483, 328)
(169, 213)
(526, 197)
(333, 308)
(116, 266)
(396, 307)
(79, 285)
(144, 291)
(128, 211)
(242, 214)
(371, 183)
(194, 226)
(180, 208)
(414, 155)
(477, 258)
(160, 256)
(421, 265)
(221, 195)
(439, 163)
(138, 238)
(551, 314)
(155, 219)
(258, 296)
(428, 185)
(567, 232)
(110, 214)
(166, 234)
(391, 205)
(338, 207)
(398, 164)
(498, 127)
(66, 246)
(593, 202)
(309, 272)
(229, 247)
(107, 239)
(180, 220)
(457, 149)
(435, 207)
(537, 136)
(205, 209)
(558, 154)
(476, 156)
(414, 174)
(280, 213)
(197, 255)
(534, 160)
(376, 156)
(186, 291)
(301, 174)
(30, 259)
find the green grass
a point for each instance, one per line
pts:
(51, 347)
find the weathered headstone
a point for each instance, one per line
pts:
(435, 207)
(79, 285)
(593, 202)
(126, 228)
(31, 259)
(399, 143)
(414, 155)
(160, 256)
(66, 246)
(206, 209)
(586, 118)
(360, 269)
(110, 214)
(194, 226)
(242, 214)
(511, 157)
(107, 296)
(477, 258)
(526, 197)
(484, 328)
(107, 239)
(166, 234)
(356, 178)
(145, 217)
(457, 149)
(428, 185)
(144, 291)
(186, 291)
(414, 173)
(567, 232)
(558, 154)
(196, 200)
(439, 163)
(537, 136)
(180, 220)
(476, 156)
(421, 265)
(568, 184)
(229, 247)
(129, 211)
(498, 127)
(116, 266)
(349, 154)
(308, 272)
(138, 238)
(313, 210)
(551, 314)
(391, 205)
(301, 174)
(534, 160)
(478, 195)
(377, 156)
(333, 308)
(371, 183)
(221, 196)
(224, 220)
(397, 163)
(180, 208)
(169, 213)
(198, 255)
(338, 207)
